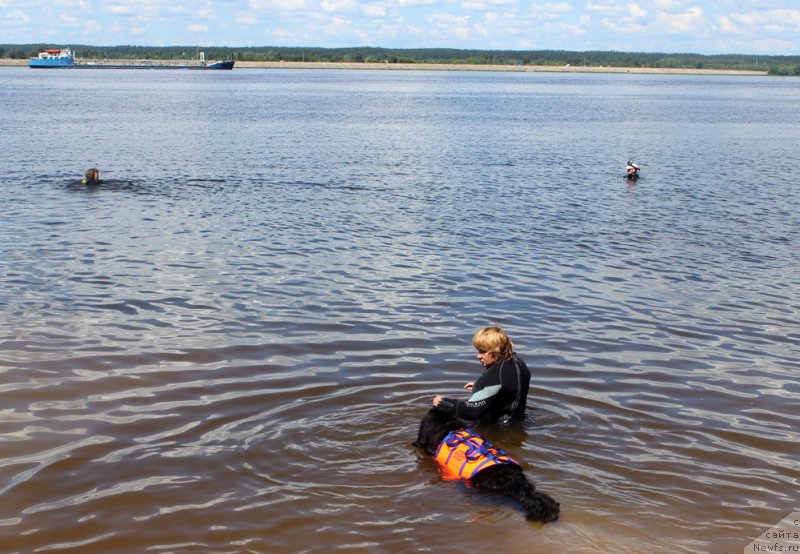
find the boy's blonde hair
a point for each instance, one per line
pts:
(494, 339)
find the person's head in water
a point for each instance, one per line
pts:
(493, 345)
(92, 176)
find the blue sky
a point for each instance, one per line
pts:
(697, 26)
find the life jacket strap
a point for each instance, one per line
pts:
(475, 453)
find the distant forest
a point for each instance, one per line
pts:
(775, 65)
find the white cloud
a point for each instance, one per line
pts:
(372, 10)
(69, 20)
(279, 36)
(91, 28)
(559, 7)
(622, 26)
(775, 45)
(118, 9)
(728, 26)
(198, 28)
(617, 18)
(417, 3)
(704, 26)
(245, 18)
(607, 9)
(278, 4)
(337, 25)
(338, 5)
(74, 5)
(675, 23)
(451, 24)
(669, 5)
(485, 5)
(448, 19)
(17, 17)
(637, 11)
(68, 4)
(568, 28)
(772, 20)
(154, 9)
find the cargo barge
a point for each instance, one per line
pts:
(63, 58)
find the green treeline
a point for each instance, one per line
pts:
(776, 65)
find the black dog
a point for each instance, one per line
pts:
(504, 477)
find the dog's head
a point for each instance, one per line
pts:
(433, 428)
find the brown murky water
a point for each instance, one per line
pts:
(228, 345)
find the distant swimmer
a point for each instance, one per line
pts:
(632, 170)
(92, 177)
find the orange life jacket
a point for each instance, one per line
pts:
(462, 454)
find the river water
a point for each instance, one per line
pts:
(227, 346)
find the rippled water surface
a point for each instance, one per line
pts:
(228, 345)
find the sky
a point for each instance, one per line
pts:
(669, 26)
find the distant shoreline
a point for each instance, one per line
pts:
(489, 67)
(8, 62)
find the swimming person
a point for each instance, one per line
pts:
(92, 177)
(632, 170)
(501, 392)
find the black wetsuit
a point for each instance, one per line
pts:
(498, 396)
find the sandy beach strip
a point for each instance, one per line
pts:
(488, 67)
(8, 62)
